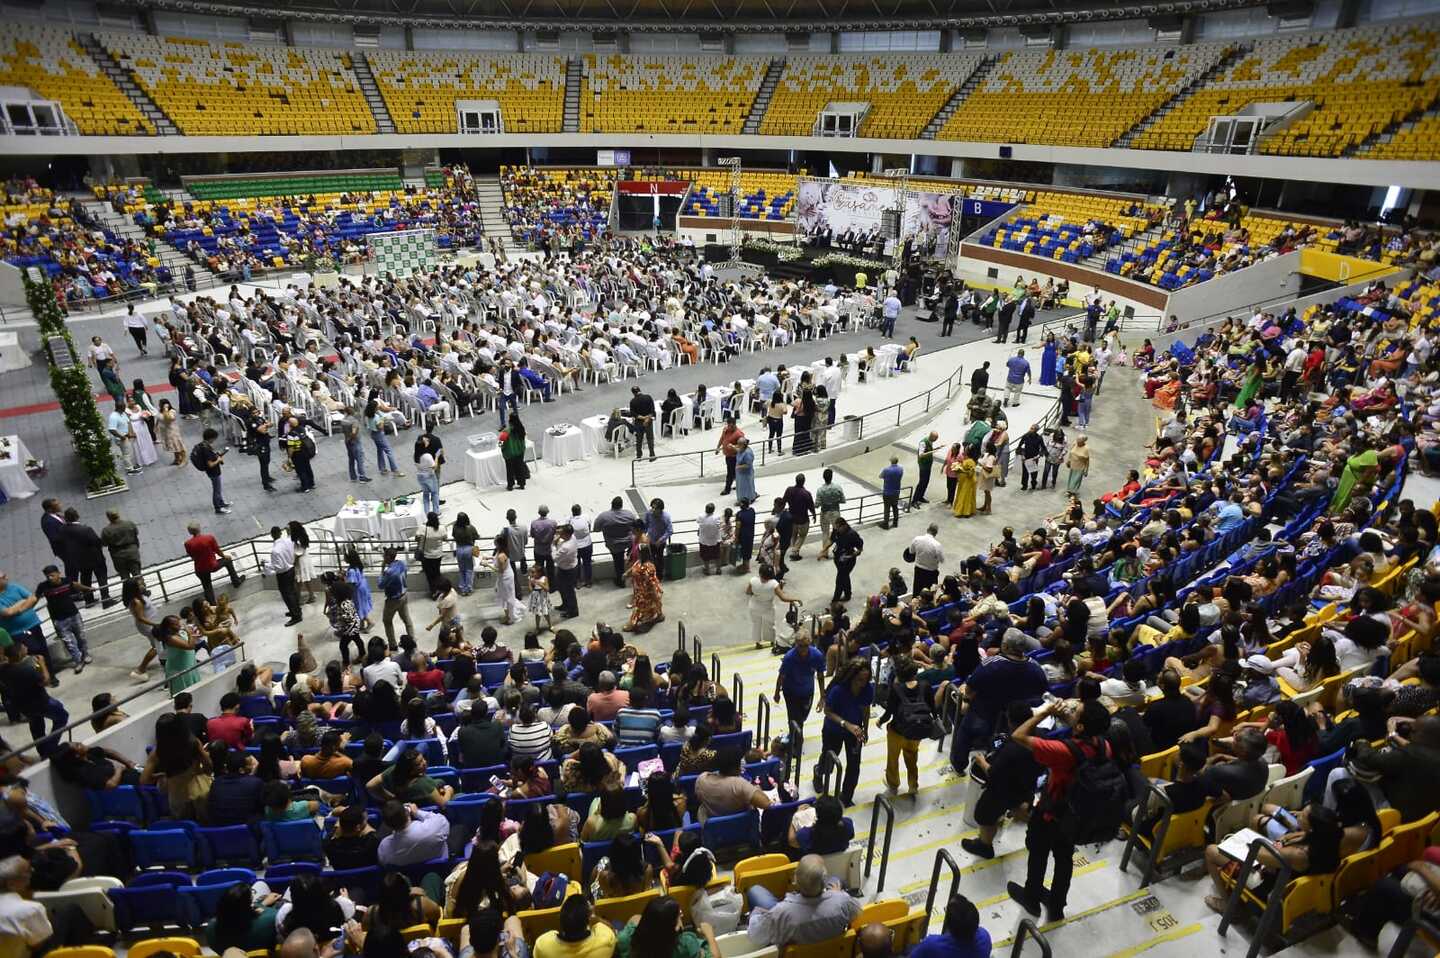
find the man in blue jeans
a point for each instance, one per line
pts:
(23, 680)
(210, 462)
(890, 478)
(20, 622)
(889, 312)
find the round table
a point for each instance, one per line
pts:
(485, 469)
(574, 443)
(14, 481)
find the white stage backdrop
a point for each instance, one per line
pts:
(825, 204)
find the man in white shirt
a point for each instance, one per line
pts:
(24, 925)
(1294, 366)
(415, 835)
(281, 565)
(928, 555)
(135, 326)
(584, 547)
(122, 431)
(708, 532)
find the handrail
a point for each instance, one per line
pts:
(762, 716)
(715, 673)
(828, 766)
(1272, 903)
(949, 718)
(680, 636)
(236, 651)
(737, 694)
(1408, 931)
(697, 653)
(950, 385)
(1157, 839)
(941, 855)
(881, 801)
(795, 747)
(1028, 928)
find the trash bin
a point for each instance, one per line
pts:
(675, 562)
(852, 429)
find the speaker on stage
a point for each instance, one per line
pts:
(716, 252)
(890, 223)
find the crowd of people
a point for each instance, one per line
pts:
(557, 209)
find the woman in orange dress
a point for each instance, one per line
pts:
(645, 593)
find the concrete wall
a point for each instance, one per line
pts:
(130, 738)
(1274, 279)
(976, 262)
(1349, 171)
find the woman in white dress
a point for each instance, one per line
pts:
(511, 608)
(145, 453)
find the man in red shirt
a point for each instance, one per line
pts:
(1047, 835)
(230, 727)
(208, 557)
(425, 677)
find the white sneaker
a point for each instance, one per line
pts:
(137, 675)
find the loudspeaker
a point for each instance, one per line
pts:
(890, 223)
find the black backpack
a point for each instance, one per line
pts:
(914, 719)
(1095, 803)
(200, 457)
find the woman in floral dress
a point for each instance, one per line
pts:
(645, 594)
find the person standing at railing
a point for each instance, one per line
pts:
(281, 565)
(614, 526)
(659, 529)
(924, 462)
(728, 446)
(1017, 374)
(584, 545)
(392, 583)
(828, 498)
(122, 538)
(1026, 313)
(848, 546)
(890, 478)
(802, 511)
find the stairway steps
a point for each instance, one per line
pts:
(571, 111)
(384, 123)
(972, 83)
(771, 80)
(127, 85)
(1225, 63)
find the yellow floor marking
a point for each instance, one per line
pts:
(901, 819)
(1106, 906)
(1145, 946)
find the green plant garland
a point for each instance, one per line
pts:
(71, 385)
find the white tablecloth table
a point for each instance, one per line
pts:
(362, 518)
(13, 479)
(594, 427)
(573, 444)
(486, 469)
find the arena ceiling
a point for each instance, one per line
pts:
(701, 15)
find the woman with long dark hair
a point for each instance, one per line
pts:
(345, 620)
(624, 870)
(483, 881)
(660, 934)
(355, 575)
(400, 905)
(313, 906)
(645, 593)
(512, 450)
(181, 759)
(239, 923)
(663, 808)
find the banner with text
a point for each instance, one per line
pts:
(825, 206)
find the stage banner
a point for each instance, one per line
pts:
(825, 205)
(928, 220)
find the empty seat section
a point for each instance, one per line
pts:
(50, 62)
(1075, 97)
(1361, 82)
(244, 89)
(669, 94)
(904, 91)
(420, 89)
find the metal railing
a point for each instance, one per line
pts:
(699, 463)
(1273, 901)
(941, 857)
(881, 802)
(1028, 929)
(795, 748)
(235, 653)
(762, 717)
(831, 771)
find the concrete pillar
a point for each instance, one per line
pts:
(947, 41)
(834, 42)
(957, 168)
(410, 39)
(707, 156)
(1187, 28)
(1349, 14)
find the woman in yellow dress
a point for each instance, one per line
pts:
(965, 486)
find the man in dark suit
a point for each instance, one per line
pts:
(85, 552)
(52, 523)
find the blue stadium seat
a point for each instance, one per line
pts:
(123, 803)
(199, 900)
(292, 841)
(728, 831)
(175, 844)
(278, 877)
(233, 845)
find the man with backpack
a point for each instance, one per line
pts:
(1085, 799)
